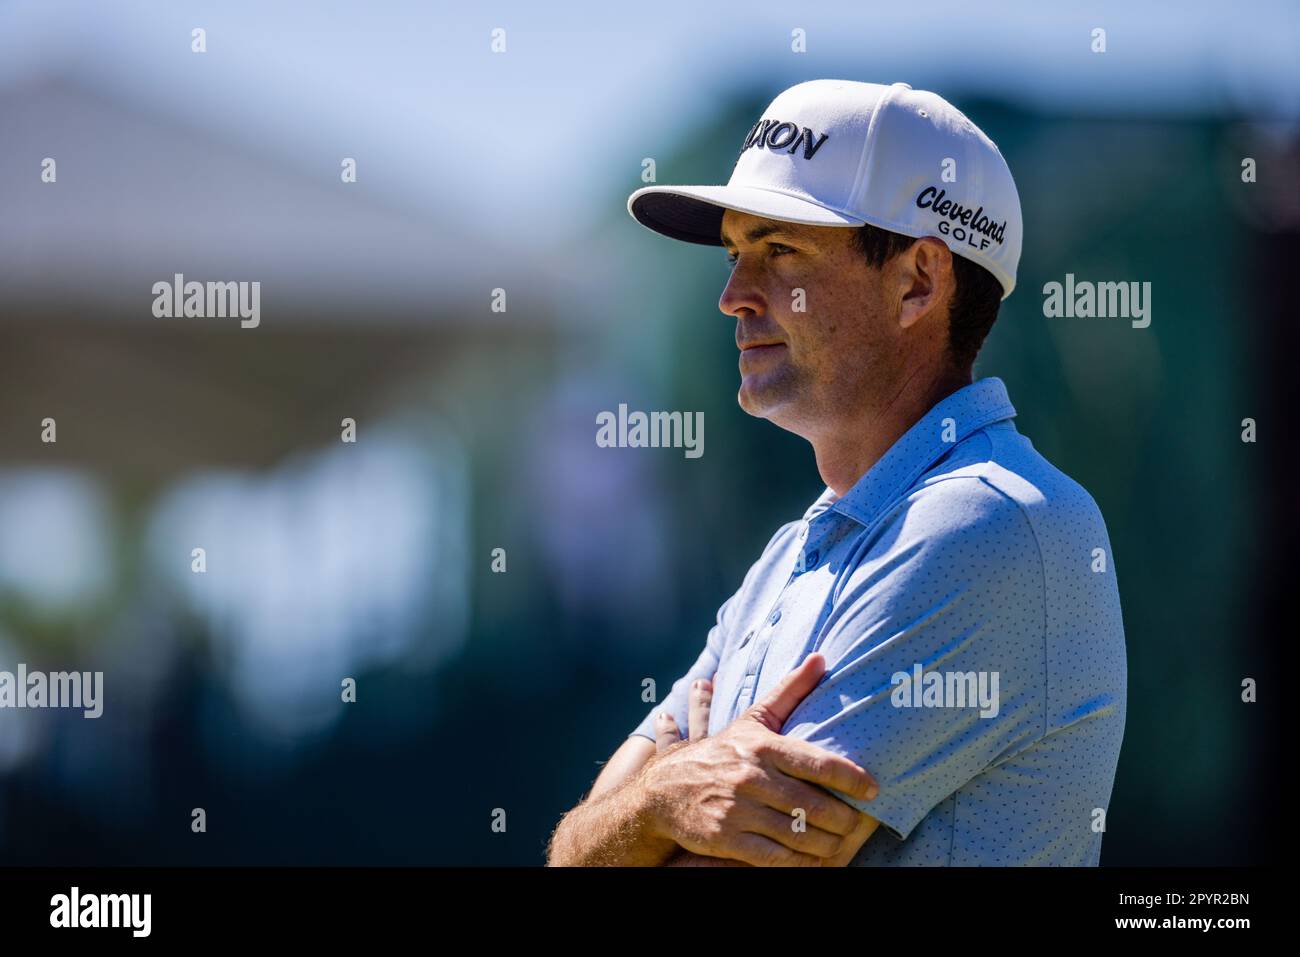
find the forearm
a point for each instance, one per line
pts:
(614, 830)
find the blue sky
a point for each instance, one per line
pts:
(585, 90)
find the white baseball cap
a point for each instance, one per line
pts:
(844, 153)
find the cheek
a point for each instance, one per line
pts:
(841, 343)
(834, 326)
(832, 331)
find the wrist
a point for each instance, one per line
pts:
(652, 819)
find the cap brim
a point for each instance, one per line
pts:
(694, 214)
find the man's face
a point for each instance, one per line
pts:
(827, 354)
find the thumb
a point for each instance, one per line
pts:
(666, 732)
(778, 704)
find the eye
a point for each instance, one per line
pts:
(777, 249)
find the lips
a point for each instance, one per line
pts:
(757, 355)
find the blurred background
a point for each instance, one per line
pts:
(477, 171)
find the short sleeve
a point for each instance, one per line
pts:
(934, 651)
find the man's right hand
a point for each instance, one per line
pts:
(733, 795)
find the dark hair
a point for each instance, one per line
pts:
(975, 301)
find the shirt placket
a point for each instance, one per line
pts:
(759, 639)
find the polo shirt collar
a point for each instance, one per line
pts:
(972, 407)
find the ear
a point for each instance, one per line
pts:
(925, 279)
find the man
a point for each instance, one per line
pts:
(946, 613)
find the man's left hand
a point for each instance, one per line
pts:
(668, 735)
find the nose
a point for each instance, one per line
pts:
(741, 295)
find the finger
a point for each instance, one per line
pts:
(761, 851)
(701, 700)
(782, 829)
(807, 762)
(778, 704)
(783, 794)
(852, 844)
(666, 732)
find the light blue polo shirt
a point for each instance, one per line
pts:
(960, 555)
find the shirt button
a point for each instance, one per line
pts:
(811, 559)
(744, 641)
(774, 617)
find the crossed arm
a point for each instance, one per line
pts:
(728, 800)
(734, 795)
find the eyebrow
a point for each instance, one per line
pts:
(758, 232)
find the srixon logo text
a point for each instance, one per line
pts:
(963, 223)
(778, 135)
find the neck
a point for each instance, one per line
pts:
(846, 452)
